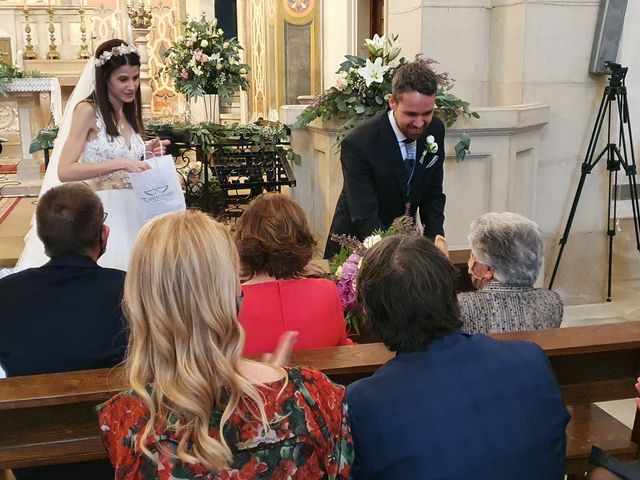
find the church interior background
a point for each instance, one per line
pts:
(523, 65)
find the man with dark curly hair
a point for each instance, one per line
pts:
(449, 405)
(394, 160)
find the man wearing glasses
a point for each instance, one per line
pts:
(65, 315)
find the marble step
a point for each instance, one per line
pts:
(10, 186)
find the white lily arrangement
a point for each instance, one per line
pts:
(364, 83)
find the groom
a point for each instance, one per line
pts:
(394, 160)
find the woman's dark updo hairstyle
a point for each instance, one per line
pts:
(100, 96)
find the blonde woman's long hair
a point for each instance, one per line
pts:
(185, 341)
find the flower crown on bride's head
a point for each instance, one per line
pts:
(114, 52)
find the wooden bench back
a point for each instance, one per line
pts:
(592, 363)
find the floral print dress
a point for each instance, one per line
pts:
(309, 435)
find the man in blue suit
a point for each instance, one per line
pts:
(450, 405)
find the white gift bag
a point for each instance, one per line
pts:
(157, 190)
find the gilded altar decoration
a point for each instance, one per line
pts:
(29, 53)
(83, 53)
(140, 17)
(53, 53)
(298, 7)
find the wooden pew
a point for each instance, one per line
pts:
(48, 419)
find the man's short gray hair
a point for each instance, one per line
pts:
(511, 244)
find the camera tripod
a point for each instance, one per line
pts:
(614, 100)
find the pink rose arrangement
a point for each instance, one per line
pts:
(204, 61)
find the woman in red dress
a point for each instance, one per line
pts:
(275, 246)
(196, 408)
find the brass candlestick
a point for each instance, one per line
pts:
(84, 47)
(29, 53)
(53, 51)
(140, 17)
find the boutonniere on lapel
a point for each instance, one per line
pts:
(430, 147)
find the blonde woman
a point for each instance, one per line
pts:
(189, 382)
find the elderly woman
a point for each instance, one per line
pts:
(276, 245)
(506, 255)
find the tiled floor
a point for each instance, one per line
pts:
(625, 306)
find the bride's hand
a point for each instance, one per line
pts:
(157, 147)
(133, 166)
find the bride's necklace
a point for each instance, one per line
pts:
(121, 123)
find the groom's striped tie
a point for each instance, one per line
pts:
(410, 160)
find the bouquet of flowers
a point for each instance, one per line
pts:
(345, 265)
(203, 61)
(365, 82)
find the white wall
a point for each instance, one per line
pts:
(344, 28)
(510, 52)
(627, 263)
(456, 33)
(504, 52)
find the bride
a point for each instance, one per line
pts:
(100, 142)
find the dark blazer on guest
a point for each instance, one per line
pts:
(375, 191)
(466, 407)
(61, 317)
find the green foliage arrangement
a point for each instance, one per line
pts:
(44, 139)
(203, 61)
(265, 135)
(365, 82)
(8, 73)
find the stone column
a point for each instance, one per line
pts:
(344, 29)
(456, 33)
(141, 40)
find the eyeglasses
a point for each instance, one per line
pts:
(104, 218)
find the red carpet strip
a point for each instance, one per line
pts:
(6, 207)
(9, 168)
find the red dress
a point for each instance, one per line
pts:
(309, 306)
(309, 436)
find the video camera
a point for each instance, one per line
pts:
(618, 72)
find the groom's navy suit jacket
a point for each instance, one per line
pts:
(375, 181)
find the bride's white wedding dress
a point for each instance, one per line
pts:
(114, 190)
(118, 200)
